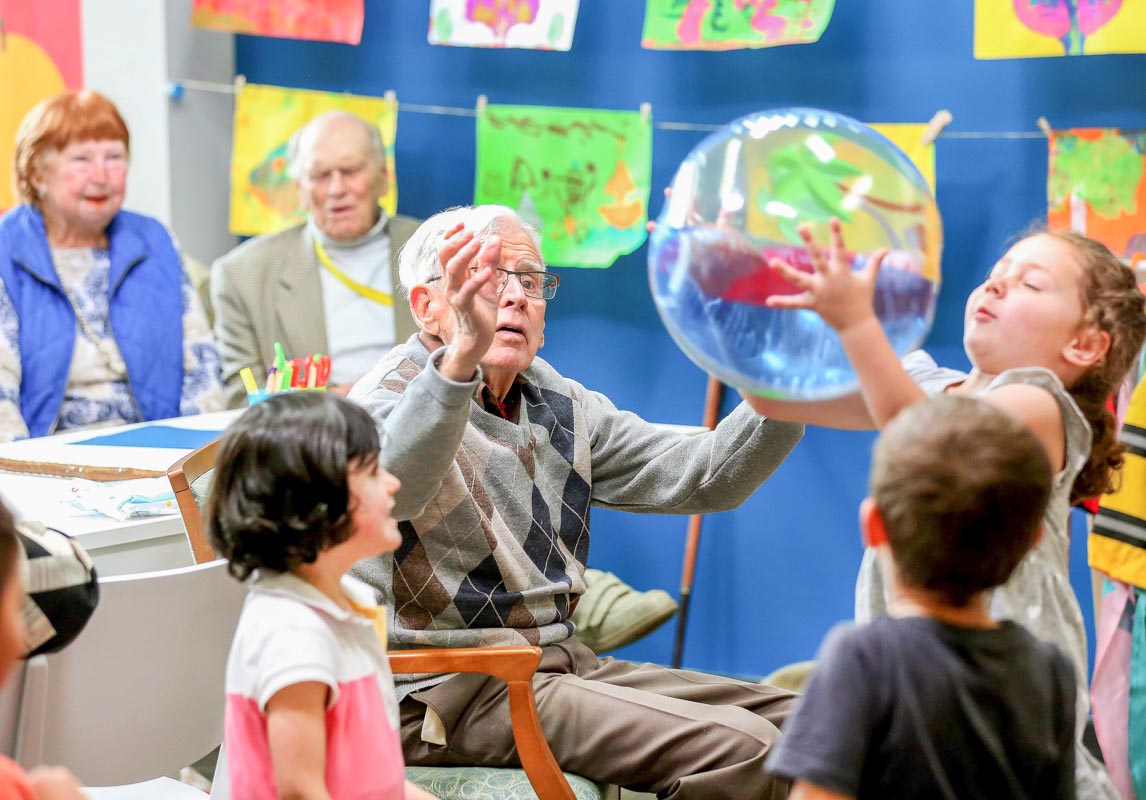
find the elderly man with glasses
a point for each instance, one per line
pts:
(501, 458)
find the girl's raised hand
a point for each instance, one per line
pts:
(842, 297)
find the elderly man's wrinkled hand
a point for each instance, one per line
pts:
(470, 291)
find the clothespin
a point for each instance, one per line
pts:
(940, 120)
(481, 104)
(1044, 126)
(646, 112)
(240, 82)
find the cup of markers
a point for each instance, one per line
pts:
(287, 375)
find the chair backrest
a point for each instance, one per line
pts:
(10, 709)
(190, 479)
(140, 693)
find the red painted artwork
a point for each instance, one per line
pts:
(1069, 21)
(325, 20)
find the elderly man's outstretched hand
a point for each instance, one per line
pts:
(470, 291)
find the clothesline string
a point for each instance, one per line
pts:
(456, 111)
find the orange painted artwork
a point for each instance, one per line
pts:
(42, 55)
(324, 20)
(1096, 185)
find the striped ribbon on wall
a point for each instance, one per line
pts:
(1118, 542)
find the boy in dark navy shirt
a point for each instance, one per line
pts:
(937, 700)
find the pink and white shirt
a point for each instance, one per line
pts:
(290, 633)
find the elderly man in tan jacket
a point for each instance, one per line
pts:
(327, 285)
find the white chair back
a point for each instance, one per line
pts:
(10, 709)
(139, 693)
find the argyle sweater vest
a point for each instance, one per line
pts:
(494, 514)
(497, 555)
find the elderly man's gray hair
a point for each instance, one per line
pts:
(418, 259)
(376, 150)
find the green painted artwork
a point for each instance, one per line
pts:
(733, 24)
(581, 176)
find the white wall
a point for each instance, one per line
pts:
(125, 56)
(180, 150)
(199, 134)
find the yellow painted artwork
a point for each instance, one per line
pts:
(1042, 28)
(908, 137)
(264, 198)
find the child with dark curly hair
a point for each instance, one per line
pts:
(298, 497)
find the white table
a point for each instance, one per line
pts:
(117, 547)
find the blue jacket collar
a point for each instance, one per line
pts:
(30, 246)
(127, 249)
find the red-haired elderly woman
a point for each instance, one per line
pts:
(100, 325)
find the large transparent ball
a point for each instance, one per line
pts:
(736, 202)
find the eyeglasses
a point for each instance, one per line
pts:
(535, 283)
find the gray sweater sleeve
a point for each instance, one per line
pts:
(640, 467)
(421, 429)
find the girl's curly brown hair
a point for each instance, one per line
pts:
(1113, 303)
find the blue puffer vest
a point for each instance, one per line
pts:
(145, 311)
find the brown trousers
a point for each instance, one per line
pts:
(647, 728)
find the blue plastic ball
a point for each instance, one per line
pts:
(736, 202)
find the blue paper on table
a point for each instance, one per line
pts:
(156, 436)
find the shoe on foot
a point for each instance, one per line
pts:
(612, 614)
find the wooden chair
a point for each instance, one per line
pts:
(515, 666)
(190, 478)
(183, 475)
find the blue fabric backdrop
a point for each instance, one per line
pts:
(774, 575)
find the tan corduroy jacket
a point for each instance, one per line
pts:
(269, 290)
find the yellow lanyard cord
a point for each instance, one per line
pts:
(360, 289)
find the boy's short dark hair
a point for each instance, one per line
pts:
(281, 493)
(961, 486)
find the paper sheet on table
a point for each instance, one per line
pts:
(144, 497)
